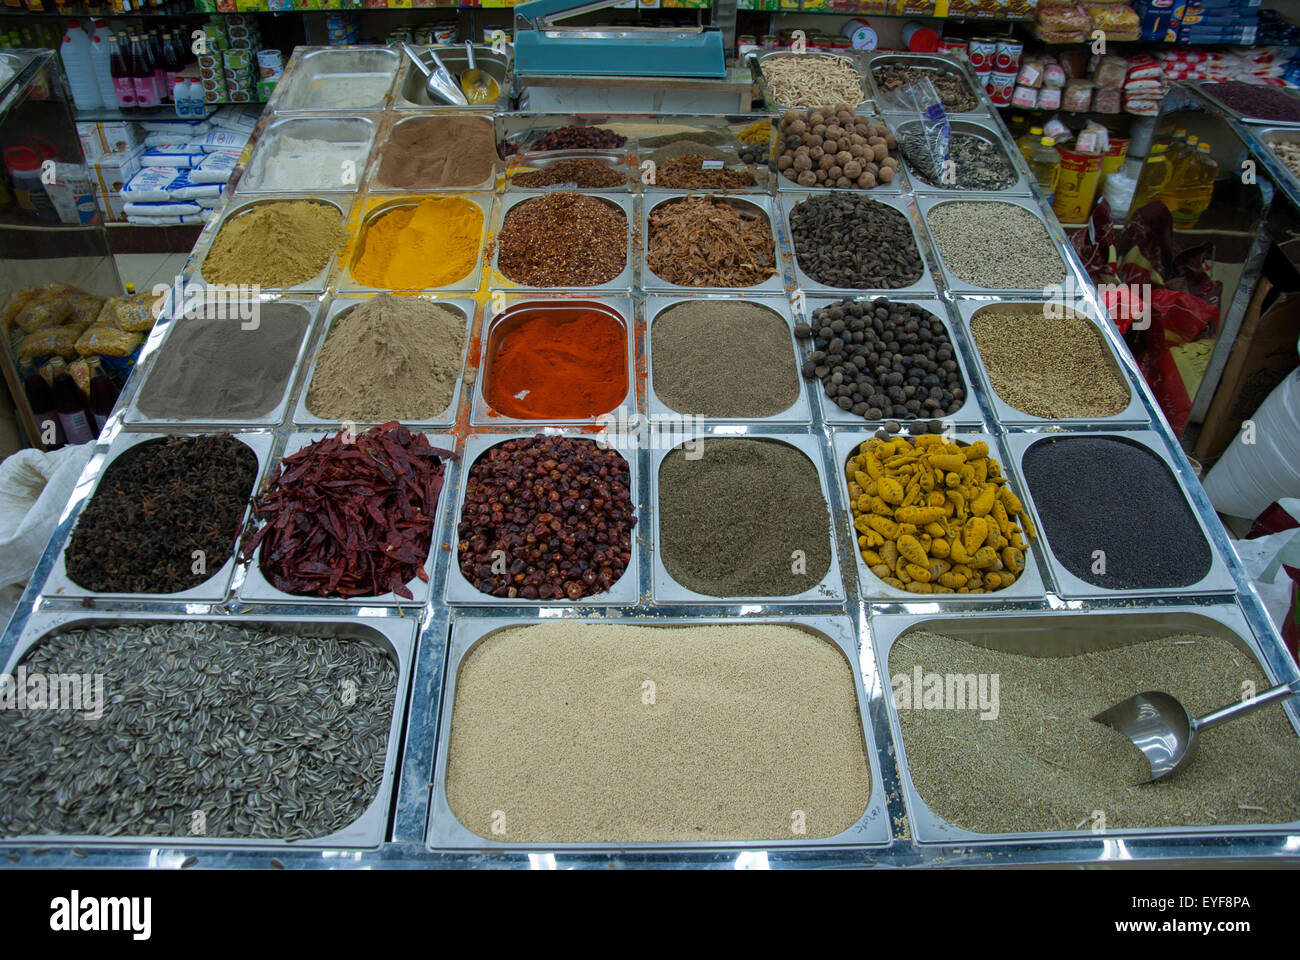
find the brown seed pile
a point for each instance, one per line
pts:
(546, 518)
(746, 725)
(563, 239)
(1042, 764)
(1049, 366)
(687, 172)
(953, 92)
(707, 242)
(583, 172)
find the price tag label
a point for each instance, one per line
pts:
(712, 164)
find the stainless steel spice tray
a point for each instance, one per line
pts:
(1272, 136)
(972, 128)
(175, 330)
(341, 131)
(970, 414)
(1032, 584)
(368, 832)
(302, 415)
(854, 60)
(246, 204)
(626, 590)
(800, 411)
(890, 102)
(252, 586)
(1207, 87)
(446, 832)
(830, 589)
(409, 93)
(498, 323)
(372, 212)
(624, 281)
(1135, 412)
(1061, 633)
(746, 204)
(392, 121)
(923, 286)
(899, 184)
(616, 160)
(212, 590)
(310, 69)
(1218, 579)
(1055, 236)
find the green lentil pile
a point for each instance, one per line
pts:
(1042, 764)
(1049, 366)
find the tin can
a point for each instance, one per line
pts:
(952, 48)
(1000, 86)
(982, 52)
(1007, 55)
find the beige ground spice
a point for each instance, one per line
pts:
(390, 358)
(1042, 764)
(277, 244)
(748, 724)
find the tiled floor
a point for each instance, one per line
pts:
(147, 269)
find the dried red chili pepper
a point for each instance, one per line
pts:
(350, 516)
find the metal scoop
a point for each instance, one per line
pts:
(479, 87)
(1160, 726)
(438, 82)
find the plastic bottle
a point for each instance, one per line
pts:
(103, 394)
(1153, 178)
(1195, 188)
(123, 82)
(71, 404)
(101, 56)
(40, 397)
(1028, 141)
(24, 166)
(1045, 165)
(75, 52)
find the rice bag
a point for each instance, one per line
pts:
(1077, 96)
(1110, 73)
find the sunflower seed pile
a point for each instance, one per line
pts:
(208, 729)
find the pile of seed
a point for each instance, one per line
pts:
(1049, 366)
(563, 239)
(157, 504)
(884, 361)
(1042, 764)
(687, 172)
(707, 242)
(697, 346)
(996, 245)
(1109, 495)
(855, 242)
(554, 738)
(584, 172)
(830, 147)
(812, 80)
(953, 92)
(574, 137)
(977, 164)
(208, 728)
(1288, 151)
(747, 518)
(546, 518)
(1258, 101)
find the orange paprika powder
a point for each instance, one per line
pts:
(563, 363)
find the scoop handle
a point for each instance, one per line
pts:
(1243, 707)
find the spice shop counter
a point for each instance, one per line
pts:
(861, 454)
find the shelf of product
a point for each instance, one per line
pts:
(601, 455)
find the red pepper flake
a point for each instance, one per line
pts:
(350, 517)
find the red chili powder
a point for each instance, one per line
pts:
(563, 363)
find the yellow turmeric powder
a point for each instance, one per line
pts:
(433, 244)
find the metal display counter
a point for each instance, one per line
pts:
(896, 829)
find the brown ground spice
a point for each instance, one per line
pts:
(450, 151)
(390, 358)
(563, 239)
(277, 244)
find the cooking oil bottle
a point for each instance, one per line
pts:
(1153, 178)
(1028, 141)
(1193, 187)
(1045, 165)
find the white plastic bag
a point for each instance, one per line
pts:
(34, 488)
(1263, 558)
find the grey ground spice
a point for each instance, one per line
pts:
(1050, 367)
(697, 347)
(389, 358)
(749, 723)
(731, 520)
(995, 245)
(563, 239)
(682, 148)
(1044, 765)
